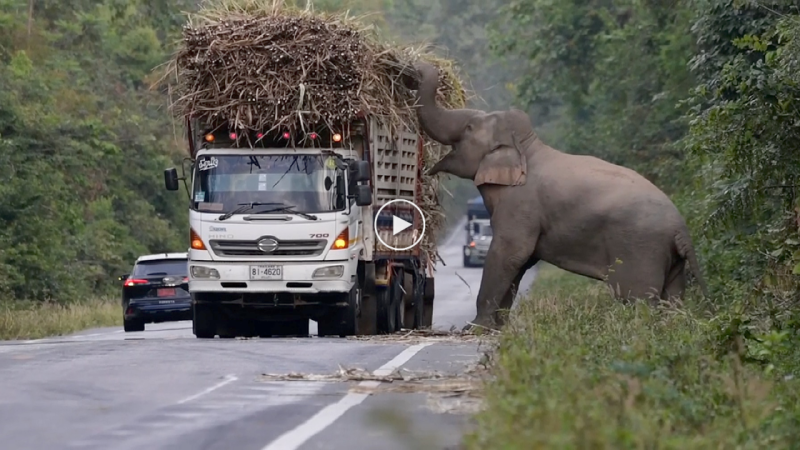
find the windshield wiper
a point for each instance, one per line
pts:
(288, 209)
(242, 208)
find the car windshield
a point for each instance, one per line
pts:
(307, 183)
(161, 267)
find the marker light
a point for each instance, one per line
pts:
(472, 244)
(313, 135)
(341, 241)
(209, 137)
(232, 136)
(260, 135)
(337, 137)
(197, 243)
(286, 135)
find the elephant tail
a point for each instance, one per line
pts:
(683, 242)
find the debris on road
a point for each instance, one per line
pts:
(447, 393)
(406, 336)
(358, 374)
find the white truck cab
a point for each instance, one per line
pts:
(282, 232)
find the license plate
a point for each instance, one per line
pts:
(266, 272)
(166, 292)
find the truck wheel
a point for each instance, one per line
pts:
(342, 321)
(398, 299)
(132, 325)
(204, 324)
(419, 302)
(368, 309)
(387, 313)
(368, 316)
(409, 302)
(430, 292)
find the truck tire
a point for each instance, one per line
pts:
(132, 325)
(398, 299)
(419, 301)
(342, 321)
(387, 312)
(368, 309)
(368, 316)
(409, 302)
(430, 292)
(204, 324)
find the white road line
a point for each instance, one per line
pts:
(228, 379)
(293, 439)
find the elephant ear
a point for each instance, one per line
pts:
(504, 165)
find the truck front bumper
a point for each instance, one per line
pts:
(476, 254)
(297, 277)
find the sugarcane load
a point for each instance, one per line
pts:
(306, 151)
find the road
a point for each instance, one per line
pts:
(164, 389)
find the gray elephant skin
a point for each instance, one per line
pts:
(579, 213)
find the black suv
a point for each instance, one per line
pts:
(157, 290)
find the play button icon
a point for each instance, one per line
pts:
(399, 225)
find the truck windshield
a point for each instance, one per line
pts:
(308, 183)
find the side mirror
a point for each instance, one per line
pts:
(363, 195)
(171, 179)
(123, 277)
(476, 228)
(361, 171)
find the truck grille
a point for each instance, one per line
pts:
(285, 248)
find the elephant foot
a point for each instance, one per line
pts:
(480, 324)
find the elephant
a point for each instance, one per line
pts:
(576, 212)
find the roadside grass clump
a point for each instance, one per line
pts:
(575, 369)
(34, 320)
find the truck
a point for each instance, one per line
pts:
(478, 247)
(476, 213)
(284, 229)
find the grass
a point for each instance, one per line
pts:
(26, 320)
(574, 369)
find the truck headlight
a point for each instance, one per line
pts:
(204, 272)
(328, 272)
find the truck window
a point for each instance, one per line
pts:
(309, 183)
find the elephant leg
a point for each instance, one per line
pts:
(675, 286)
(643, 280)
(507, 304)
(506, 263)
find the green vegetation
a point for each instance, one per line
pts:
(35, 320)
(700, 96)
(575, 369)
(703, 98)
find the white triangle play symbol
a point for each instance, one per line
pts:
(398, 225)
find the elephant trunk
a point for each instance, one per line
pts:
(442, 125)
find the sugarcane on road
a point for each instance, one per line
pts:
(165, 389)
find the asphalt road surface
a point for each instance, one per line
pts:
(164, 389)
